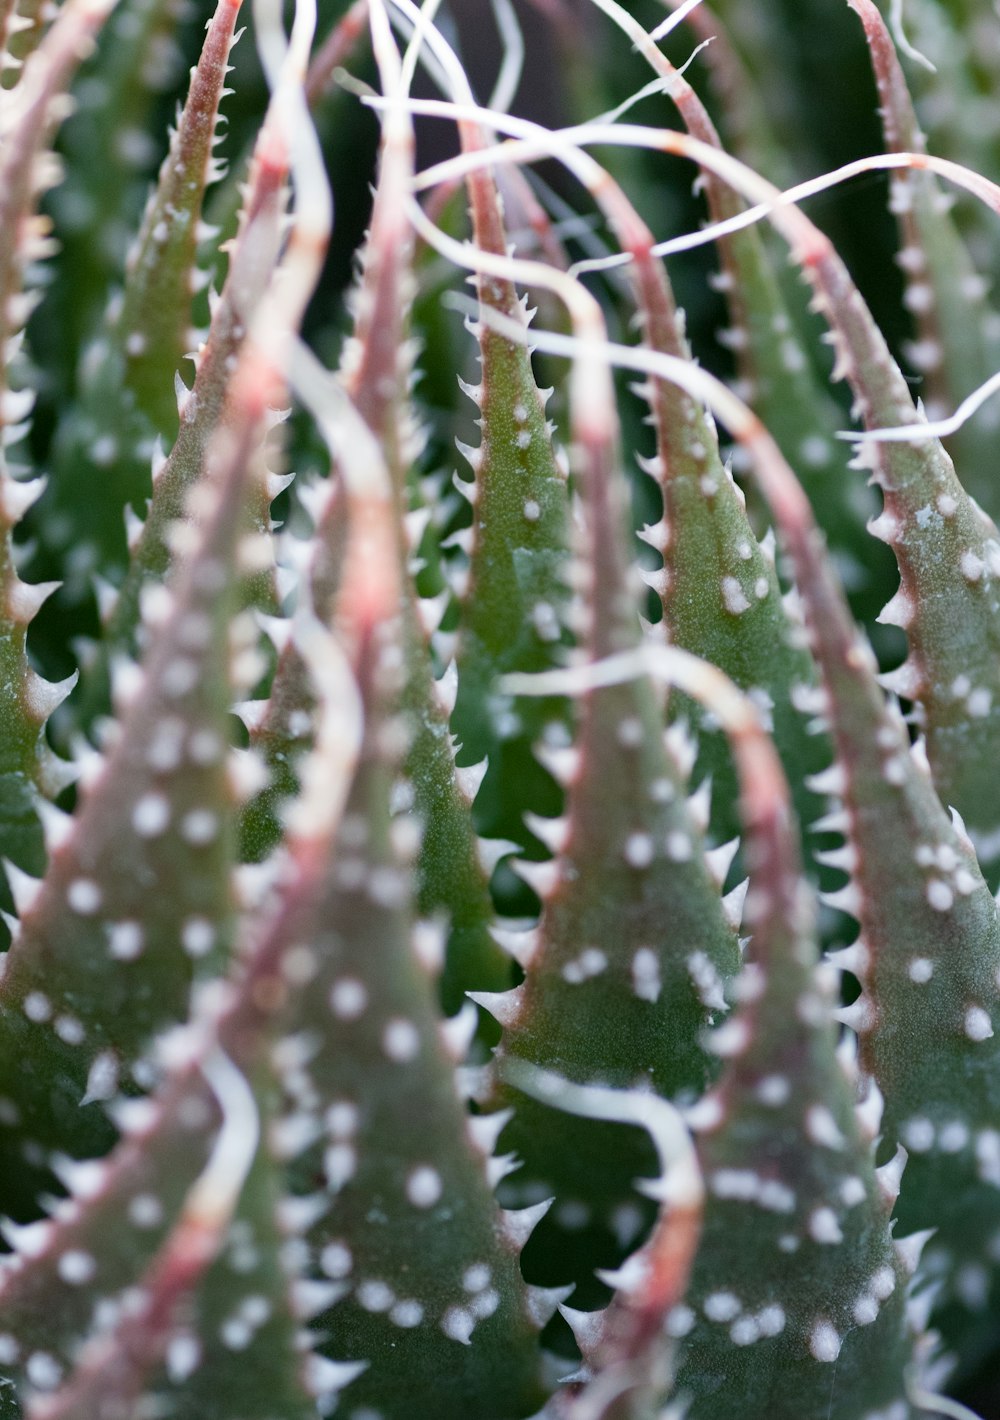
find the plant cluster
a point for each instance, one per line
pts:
(463, 962)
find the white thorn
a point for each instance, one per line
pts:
(540, 877)
(462, 538)
(470, 777)
(657, 535)
(107, 597)
(890, 1175)
(325, 1378)
(253, 713)
(26, 1239)
(658, 579)
(24, 599)
(906, 680)
(56, 825)
(856, 958)
(458, 581)
(543, 1301)
(489, 851)
(297, 1214)
(626, 1278)
(845, 899)
(587, 1327)
(16, 498)
(24, 889)
(181, 393)
(562, 762)
(553, 832)
(457, 1032)
(832, 780)
(732, 904)
(846, 1051)
(277, 629)
(908, 1250)
(503, 1006)
(415, 522)
(497, 1169)
(309, 1298)
(133, 527)
(869, 1112)
(158, 462)
(681, 746)
(720, 860)
(474, 392)
(859, 1016)
(447, 688)
(44, 696)
(276, 483)
(958, 824)
(519, 1223)
(899, 610)
(700, 804)
(844, 858)
(485, 1129)
(131, 1115)
(82, 1178)
(522, 946)
(474, 458)
(918, 754)
(431, 612)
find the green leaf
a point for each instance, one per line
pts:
(630, 958)
(127, 396)
(136, 901)
(957, 347)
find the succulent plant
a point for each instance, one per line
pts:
(520, 944)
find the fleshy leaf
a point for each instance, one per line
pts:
(136, 898)
(127, 397)
(375, 372)
(433, 1294)
(630, 958)
(957, 346)
(927, 957)
(625, 1355)
(179, 1229)
(252, 261)
(946, 548)
(452, 878)
(30, 115)
(789, 1167)
(140, 58)
(718, 588)
(513, 609)
(777, 376)
(928, 952)
(746, 124)
(954, 103)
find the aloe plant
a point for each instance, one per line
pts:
(519, 945)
